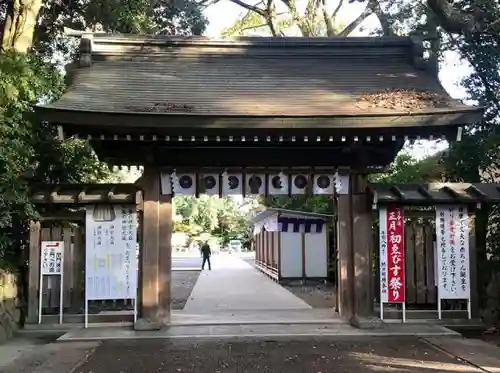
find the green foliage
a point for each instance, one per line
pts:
(30, 151)
(319, 204)
(476, 158)
(162, 17)
(407, 169)
(223, 218)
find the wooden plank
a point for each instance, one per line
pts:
(54, 282)
(256, 246)
(67, 267)
(79, 267)
(376, 246)
(410, 264)
(276, 244)
(34, 271)
(429, 266)
(474, 297)
(421, 288)
(263, 247)
(45, 236)
(270, 248)
(140, 235)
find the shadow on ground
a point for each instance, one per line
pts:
(182, 285)
(311, 356)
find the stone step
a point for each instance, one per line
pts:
(258, 331)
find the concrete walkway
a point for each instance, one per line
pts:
(234, 285)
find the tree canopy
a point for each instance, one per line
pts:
(33, 50)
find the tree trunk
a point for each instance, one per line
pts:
(456, 21)
(19, 26)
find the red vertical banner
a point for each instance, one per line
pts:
(395, 254)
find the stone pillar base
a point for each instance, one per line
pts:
(144, 325)
(367, 322)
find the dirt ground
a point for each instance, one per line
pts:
(182, 284)
(492, 337)
(316, 295)
(252, 356)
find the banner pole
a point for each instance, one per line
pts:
(439, 307)
(381, 310)
(61, 295)
(135, 310)
(469, 308)
(86, 312)
(61, 299)
(404, 312)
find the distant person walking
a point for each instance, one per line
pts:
(206, 253)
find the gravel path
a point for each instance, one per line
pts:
(182, 284)
(304, 356)
(317, 296)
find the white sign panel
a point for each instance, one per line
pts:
(111, 254)
(52, 257)
(384, 289)
(452, 241)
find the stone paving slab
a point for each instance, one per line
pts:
(51, 358)
(257, 331)
(302, 316)
(361, 355)
(235, 285)
(479, 353)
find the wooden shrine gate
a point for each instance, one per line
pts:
(255, 106)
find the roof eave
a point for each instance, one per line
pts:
(460, 117)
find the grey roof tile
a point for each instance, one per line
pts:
(249, 77)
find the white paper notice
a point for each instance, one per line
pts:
(52, 257)
(111, 259)
(452, 241)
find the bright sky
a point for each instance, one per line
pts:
(223, 14)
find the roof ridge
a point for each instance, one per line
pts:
(357, 41)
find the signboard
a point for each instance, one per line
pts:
(392, 268)
(111, 253)
(52, 257)
(392, 258)
(452, 241)
(51, 264)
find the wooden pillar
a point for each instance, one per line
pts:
(155, 254)
(355, 247)
(165, 256)
(34, 272)
(362, 249)
(344, 247)
(474, 294)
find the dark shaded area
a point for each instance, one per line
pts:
(304, 356)
(491, 336)
(182, 285)
(37, 337)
